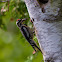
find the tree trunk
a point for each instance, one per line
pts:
(48, 28)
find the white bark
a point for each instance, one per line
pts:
(48, 28)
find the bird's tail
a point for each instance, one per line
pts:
(34, 45)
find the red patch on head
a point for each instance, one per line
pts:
(18, 19)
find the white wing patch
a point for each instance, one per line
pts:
(26, 31)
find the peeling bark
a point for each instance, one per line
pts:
(48, 28)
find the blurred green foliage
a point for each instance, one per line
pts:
(13, 46)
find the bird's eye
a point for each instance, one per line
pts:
(18, 23)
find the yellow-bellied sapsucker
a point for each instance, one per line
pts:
(27, 33)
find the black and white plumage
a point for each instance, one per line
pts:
(27, 33)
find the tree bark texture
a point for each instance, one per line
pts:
(48, 27)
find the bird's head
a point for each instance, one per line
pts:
(20, 22)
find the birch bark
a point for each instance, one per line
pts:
(48, 28)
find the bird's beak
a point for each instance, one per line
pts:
(24, 19)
